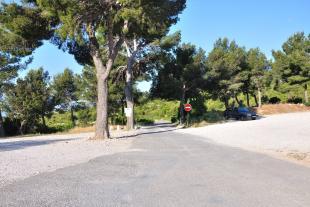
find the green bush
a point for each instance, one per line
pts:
(274, 100)
(214, 105)
(145, 122)
(295, 100)
(307, 104)
(86, 116)
(157, 110)
(60, 122)
(213, 116)
(11, 127)
(174, 119)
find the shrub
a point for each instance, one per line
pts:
(265, 99)
(295, 100)
(145, 122)
(174, 119)
(60, 122)
(274, 100)
(157, 110)
(213, 116)
(11, 127)
(86, 116)
(307, 104)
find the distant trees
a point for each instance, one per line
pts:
(30, 101)
(65, 89)
(292, 65)
(21, 32)
(258, 66)
(181, 76)
(233, 70)
(226, 65)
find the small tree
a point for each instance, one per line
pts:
(258, 66)
(182, 75)
(65, 89)
(226, 66)
(30, 100)
(293, 63)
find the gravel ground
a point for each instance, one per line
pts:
(25, 157)
(21, 158)
(284, 135)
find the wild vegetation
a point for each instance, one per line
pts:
(121, 43)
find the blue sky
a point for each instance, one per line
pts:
(251, 23)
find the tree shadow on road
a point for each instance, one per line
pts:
(155, 129)
(22, 144)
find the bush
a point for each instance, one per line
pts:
(295, 100)
(145, 122)
(307, 104)
(215, 105)
(213, 116)
(60, 122)
(86, 116)
(11, 127)
(157, 110)
(274, 100)
(265, 99)
(174, 119)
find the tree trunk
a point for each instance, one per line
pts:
(2, 133)
(247, 99)
(102, 72)
(259, 98)
(256, 101)
(102, 127)
(129, 94)
(226, 103)
(21, 128)
(43, 121)
(72, 116)
(182, 102)
(306, 94)
(236, 97)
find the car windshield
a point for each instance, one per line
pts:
(243, 109)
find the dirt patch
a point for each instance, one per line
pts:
(281, 108)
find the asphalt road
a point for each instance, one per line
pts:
(168, 169)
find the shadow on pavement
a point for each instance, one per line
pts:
(155, 129)
(22, 144)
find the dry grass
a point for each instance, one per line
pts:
(78, 130)
(282, 108)
(89, 129)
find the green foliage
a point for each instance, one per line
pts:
(145, 122)
(157, 110)
(181, 74)
(292, 65)
(86, 117)
(65, 92)
(87, 85)
(214, 105)
(65, 88)
(295, 100)
(226, 64)
(60, 122)
(30, 100)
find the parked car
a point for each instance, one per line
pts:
(240, 113)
